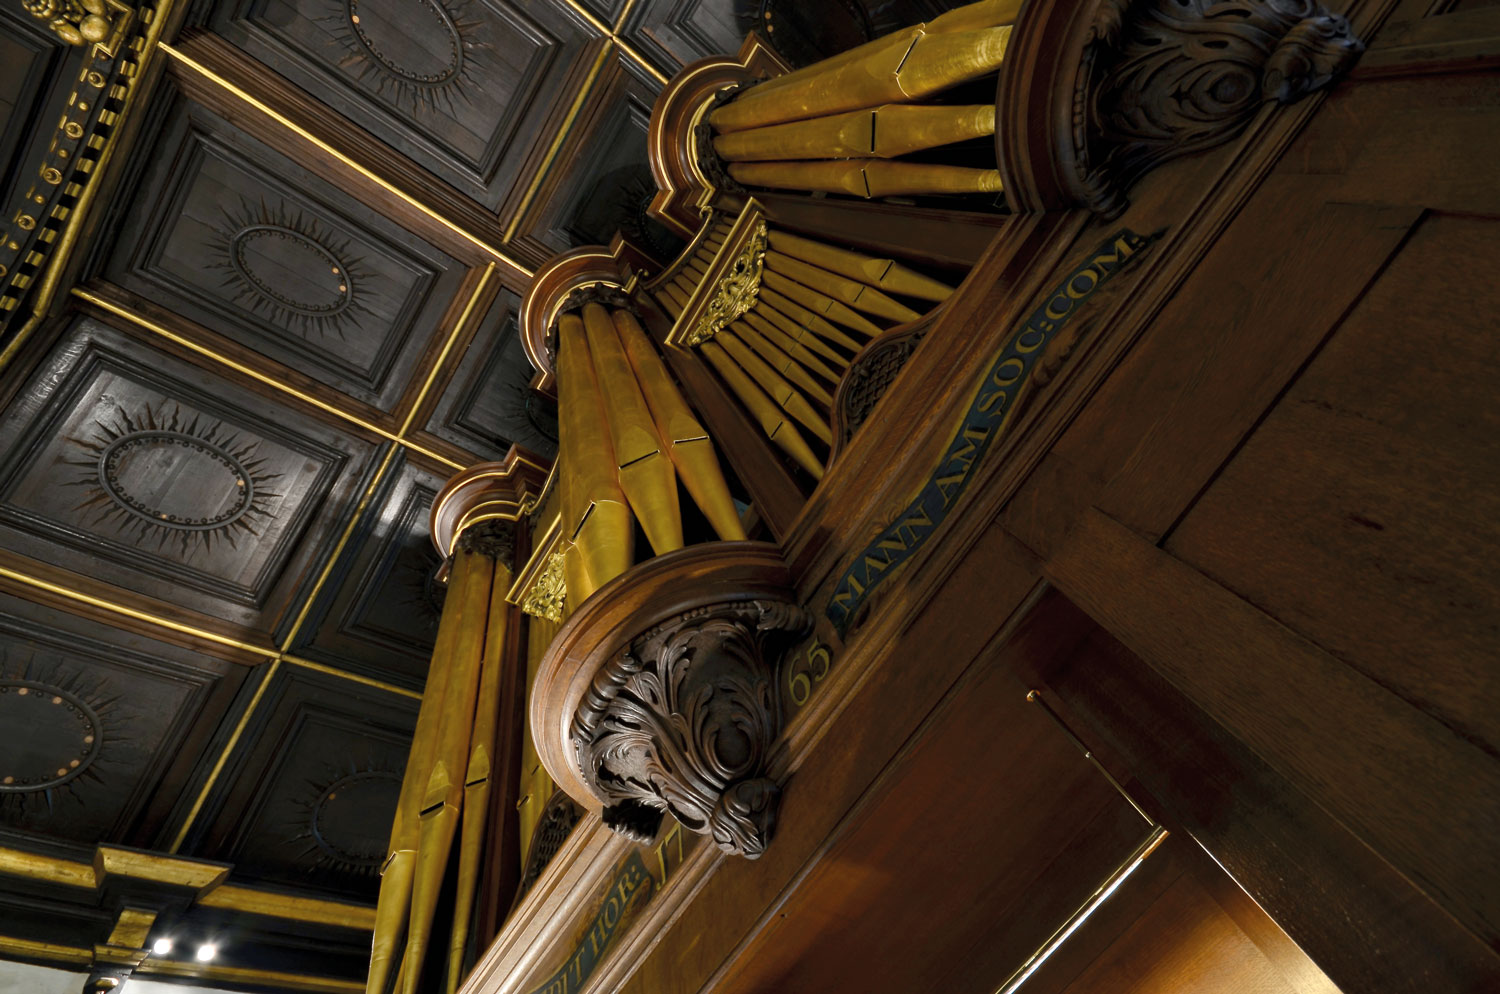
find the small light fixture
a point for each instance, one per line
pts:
(162, 946)
(206, 952)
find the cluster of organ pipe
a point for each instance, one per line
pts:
(839, 126)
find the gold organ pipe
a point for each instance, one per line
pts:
(781, 362)
(800, 317)
(536, 785)
(792, 347)
(891, 73)
(851, 292)
(668, 304)
(870, 51)
(821, 303)
(868, 178)
(776, 385)
(393, 906)
(772, 421)
(687, 442)
(444, 789)
(598, 522)
(802, 332)
(476, 792)
(645, 472)
(887, 274)
(883, 132)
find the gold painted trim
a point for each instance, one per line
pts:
(613, 36)
(501, 471)
(131, 612)
(270, 904)
(120, 862)
(625, 12)
(437, 366)
(132, 928)
(268, 675)
(730, 284)
(245, 975)
(28, 949)
(323, 146)
(51, 869)
(144, 322)
(389, 688)
(571, 118)
(338, 549)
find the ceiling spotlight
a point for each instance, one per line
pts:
(206, 952)
(162, 946)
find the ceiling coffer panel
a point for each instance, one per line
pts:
(146, 473)
(245, 242)
(457, 85)
(94, 720)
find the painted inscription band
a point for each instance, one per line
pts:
(985, 419)
(632, 886)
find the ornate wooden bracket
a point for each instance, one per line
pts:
(659, 696)
(1096, 94)
(685, 721)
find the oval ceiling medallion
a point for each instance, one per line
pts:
(273, 259)
(53, 736)
(352, 820)
(431, 53)
(175, 480)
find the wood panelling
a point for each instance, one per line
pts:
(460, 86)
(243, 240)
(159, 477)
(1375, 478)
(378, 613)
(310, 801)
(488, 405)
(102, 726)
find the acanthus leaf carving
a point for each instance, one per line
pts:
(1164, 78)
(685, 721)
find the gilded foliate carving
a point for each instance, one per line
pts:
(77, 22)
(737, 290)
(1163, 78)
(684, 722)
(548, 595)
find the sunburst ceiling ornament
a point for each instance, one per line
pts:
(181, 482)
(287, 267)
(417, 56)
(345, 819)
(61, 734)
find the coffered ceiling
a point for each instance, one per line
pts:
(290, 318)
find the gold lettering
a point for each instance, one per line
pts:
(1123, 250)
(1077, 294)
(1067, 306)
(965, 456)
(916, 517)
(610, 905)
(990, 400)
(878, 565)
(1036, 334)
(955, 482)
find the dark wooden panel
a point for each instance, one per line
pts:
(29, 58)
(97, 723)
(675, 32)
(489, 404)
(146, 473)
(458, 85)
(1376, 481)
(248, 243)
(378, 612)
(309, 801)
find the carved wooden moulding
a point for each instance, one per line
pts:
(659, 696)
(1133, 84)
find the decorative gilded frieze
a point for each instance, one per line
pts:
(736, 291)
(547, 597)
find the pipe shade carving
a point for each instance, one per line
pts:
(659, 696)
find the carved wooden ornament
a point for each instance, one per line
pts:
(659, 696)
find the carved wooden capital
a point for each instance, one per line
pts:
(659, 695)
(1096, 93)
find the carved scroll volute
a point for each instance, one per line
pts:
(659, 696)
(1094, 95)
